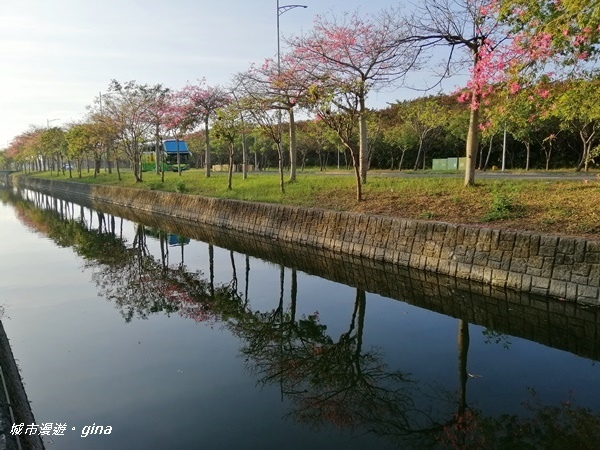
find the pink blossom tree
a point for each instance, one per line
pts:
(351, 56)
(473, 35)
(263, 109)
(128, 108)
(25, 150)
(174, 113)
(200, 103)
(285, 86)
(565, 31)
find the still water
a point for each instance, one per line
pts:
(177, 342)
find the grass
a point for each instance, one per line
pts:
(556, 207)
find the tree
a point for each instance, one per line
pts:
(400, 137)
(286, 84)
(54, 146)
(199, 105)
(82, 140)
(6, 162)
(129, 107)
(425, 119)
(264, 110)
(347, 58)
(578, 109)
(157, 116)
(470, 25)
(228, 127)
(25, 149)
(564, 31)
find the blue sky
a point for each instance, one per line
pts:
(57, 55)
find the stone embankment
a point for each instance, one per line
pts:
(561, 267)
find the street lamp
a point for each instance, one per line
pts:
(48, 122)
(281, 10)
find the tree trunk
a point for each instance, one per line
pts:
(244, 153)
(418, 154)
(207, 154)
(280, 158)
(472, 143)
(548, 155)
(108, 161)
(293, 147)
(487, 158)
(363, 144)
(528, 152)
(230, 172)
(358, 178)
(401, 159)
(157, 149)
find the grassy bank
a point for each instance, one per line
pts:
(557, 207)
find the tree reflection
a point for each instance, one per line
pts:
(326, 380)
(333, 381)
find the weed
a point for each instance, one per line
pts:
(181, 187)
(503, 207)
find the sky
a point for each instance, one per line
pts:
(57, 56)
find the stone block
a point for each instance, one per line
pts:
(477, 273)
(580, 250)
(548, 267)
(470, 236)
(588, 292)
(548, 241)
(534, 244)
(562, 273)
(463, 270)
(480, 258)
(526, 282)
(495, 239)
(558, 289)
(592, 257)
(571, 293)
(566, 246)
(513, 281)
(535, 262)
(487, 275)
(518, 265)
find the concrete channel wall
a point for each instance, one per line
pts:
(559, 267)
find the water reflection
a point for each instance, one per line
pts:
(329, 379)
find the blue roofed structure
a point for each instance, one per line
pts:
(170, 146)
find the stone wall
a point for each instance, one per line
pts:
(560, 267)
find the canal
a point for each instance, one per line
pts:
(135, 332)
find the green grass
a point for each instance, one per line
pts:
(560, 207)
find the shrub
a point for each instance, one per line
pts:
(503, 207)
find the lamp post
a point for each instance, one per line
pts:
(281, 9)
(48, 122)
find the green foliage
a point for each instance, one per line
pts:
(181, 187)
(503, 206)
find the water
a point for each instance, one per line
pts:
(230, 343)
